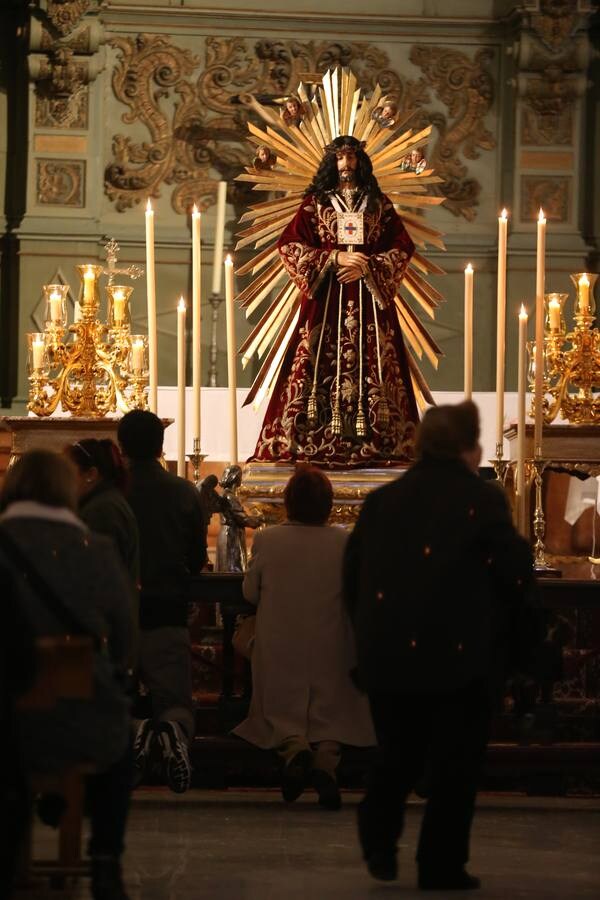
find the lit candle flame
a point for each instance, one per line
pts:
(181, 305)
(469, 268)
(228, 260)
(584, 281)
(542, 217)
(504, 214)
(149, 209)
(195, 211)
(522, 312)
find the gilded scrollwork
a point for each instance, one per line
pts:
(205, 129)
(466, 87)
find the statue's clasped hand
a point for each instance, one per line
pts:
(351, 266)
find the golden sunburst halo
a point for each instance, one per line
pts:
(336, 107)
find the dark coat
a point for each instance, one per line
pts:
(106, 511)
(84, 571)
(172, 531)
(434, 574)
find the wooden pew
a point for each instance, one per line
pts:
(65, 672)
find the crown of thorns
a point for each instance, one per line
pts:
(348, 144)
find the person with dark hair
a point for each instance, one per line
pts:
(428, 661)
(304, 704)
(344, 396)
(172, 530)
(102, 483)
(69, 581)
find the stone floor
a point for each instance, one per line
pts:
(246, 845)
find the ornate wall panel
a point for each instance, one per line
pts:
(550, 192)
(553, 57)
(60, 182)
(195, 110)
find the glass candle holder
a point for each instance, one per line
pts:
(531, 348)
(55, 296)
(584, 282)
(89, 294)
(118, 305)
(138, 354)
(37, 359)
(554, 319)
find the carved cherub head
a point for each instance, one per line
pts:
(264, 157)
(385, 114)
(292, 111)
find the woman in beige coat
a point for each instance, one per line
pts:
(304, 703)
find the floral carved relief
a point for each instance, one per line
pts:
(60, 182)
(196, 112)
(467, 89)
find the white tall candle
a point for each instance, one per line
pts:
(219, 237)
(521, 407)
(181, 388)
(501, 332)
(468, 386)
(540, 277)
(231, 360)
(196, 324)
(151, 300)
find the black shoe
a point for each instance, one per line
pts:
(383, 865)
(455, 880)
(294, 777)
(107, 879)
(327, 789)
(176, 756)
(142, 749)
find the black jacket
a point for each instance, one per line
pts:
(172, 541)
(435, 577)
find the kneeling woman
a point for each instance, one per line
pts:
(304, 703)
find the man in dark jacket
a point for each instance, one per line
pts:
(172, 547)
(434, 571)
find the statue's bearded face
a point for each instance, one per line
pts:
(346, 165)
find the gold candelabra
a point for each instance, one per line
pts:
(89, 367)
(571, 358)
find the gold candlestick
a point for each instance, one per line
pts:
(540, 564)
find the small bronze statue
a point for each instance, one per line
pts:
(231, 540)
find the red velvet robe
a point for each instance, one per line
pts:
(287, 434)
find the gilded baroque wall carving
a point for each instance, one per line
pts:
(66, 14)
(196, 115)
(549, 192)
(553, 58)
(467, 89)
(63, 59)
(60, 182)
(62, 112)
